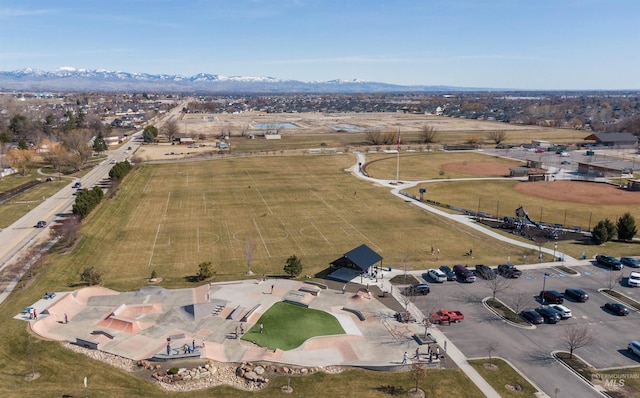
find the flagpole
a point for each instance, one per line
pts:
(398, 161)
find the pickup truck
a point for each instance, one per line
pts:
(444, 316)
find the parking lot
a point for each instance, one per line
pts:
(530, 349)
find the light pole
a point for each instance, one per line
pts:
(544, 283)
(555, 247)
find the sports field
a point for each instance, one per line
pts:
(171, 217)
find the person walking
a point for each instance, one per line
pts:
(438, 352)
(417, 353)
(405, 357)
(168, 348)
(241, 329)
(66, 319)
(193, 344)
(344, 288)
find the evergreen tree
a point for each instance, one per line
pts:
(205, 270)
(293, 266)
(99, 144)
(626, 227)
(603, 232)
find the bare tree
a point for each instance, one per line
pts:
(497, 285)
(497, 136)
(574, 337)
(418, 372)
(519, 302)
(390, 137)
(21, 159)
(373, 136)
(76, 142)
(171, 129)
(249, 248)
(491, 347)
(428, 134)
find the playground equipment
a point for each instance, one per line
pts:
(521, 213)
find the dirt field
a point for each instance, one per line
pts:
(579, 192)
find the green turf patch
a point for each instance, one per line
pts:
(286, 326)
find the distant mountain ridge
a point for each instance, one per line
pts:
(71, 79)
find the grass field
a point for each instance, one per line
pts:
(287, 326)
(172, 217)
(502, 376)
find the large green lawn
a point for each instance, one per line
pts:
(287, 326)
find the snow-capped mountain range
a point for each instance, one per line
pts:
(72, 79)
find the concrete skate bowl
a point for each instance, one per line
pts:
(69, 304)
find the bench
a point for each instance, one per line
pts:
(355, 312)
(86, 343)
(177, 336)
(102, 332)
(248, 314)
(310, 290)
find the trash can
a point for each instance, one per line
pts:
(389, 269)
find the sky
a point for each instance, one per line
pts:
(502, 44)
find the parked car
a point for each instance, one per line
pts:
(113, 161)
(549, 314)
(41, 224)
(509, 271)
(565, 313)
(634, 347)
(565, 162)
(532, 317)
(617, 308)
(436, 275)
(576, 295)
(443, 316)
(451, 276)
(630, 262)
(463, 273)
(485, 271)
(77, 184)
(417, 290)
(634, 279)
(551, 296)
(609, 261)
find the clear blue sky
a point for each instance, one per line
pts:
(522, 44)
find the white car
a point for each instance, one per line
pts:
(634, 279)
(564, 311)
(437, 276)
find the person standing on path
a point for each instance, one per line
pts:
(344, 288)
(66, 319)
(438, 352)
(168, 348)
(261, 328)
(418, 353)
(405, 357)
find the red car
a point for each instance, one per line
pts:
(444, 316)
